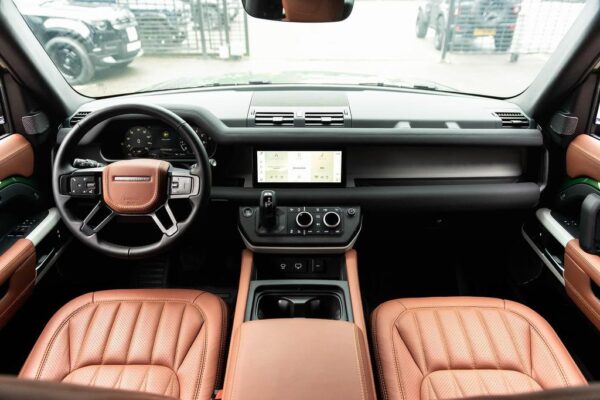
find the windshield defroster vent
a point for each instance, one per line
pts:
(78, 117)
(274, 118)
(513, 119)
(324, 118)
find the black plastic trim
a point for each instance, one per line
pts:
(330, 136)
(473, 197)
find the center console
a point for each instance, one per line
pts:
(299, 329)
(298, 228)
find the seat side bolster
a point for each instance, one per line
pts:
(54, 343)
(551, 361)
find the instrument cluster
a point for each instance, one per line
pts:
(158, 141)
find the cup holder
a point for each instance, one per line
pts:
(321, 304)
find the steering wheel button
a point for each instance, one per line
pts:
(181, 185)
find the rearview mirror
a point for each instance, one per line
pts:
(299, 10)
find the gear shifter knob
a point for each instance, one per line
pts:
(267, 208)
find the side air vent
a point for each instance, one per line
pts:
(513, 119)
(78, 117)
(274, 118)
(324, 118)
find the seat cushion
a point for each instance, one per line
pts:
(160, 341)
(441, 348)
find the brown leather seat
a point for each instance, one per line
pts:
(160, 341)
(441, 348)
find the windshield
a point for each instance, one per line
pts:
(488, 47)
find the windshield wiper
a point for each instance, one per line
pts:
(259, 82)
(418, 86)
(221, 84)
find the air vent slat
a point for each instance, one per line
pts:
(274, 119)
(513, 119)
(324, 119)
(78, 117)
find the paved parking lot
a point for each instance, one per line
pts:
(378, 40)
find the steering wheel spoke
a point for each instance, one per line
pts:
(97, 219)
(82, 183)
(183, 184)
(165, 220)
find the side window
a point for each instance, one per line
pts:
(4, 128)
(597, 123)
(2, 123)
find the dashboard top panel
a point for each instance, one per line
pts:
(377, 117)
(231, 105)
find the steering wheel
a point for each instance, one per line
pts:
(132, 188)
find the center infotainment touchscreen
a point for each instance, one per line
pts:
(299, 166)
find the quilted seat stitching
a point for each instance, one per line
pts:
(92, 302)
(143, 385)
(504, 309)
(488, 337)
(110, 331)
(452, 373)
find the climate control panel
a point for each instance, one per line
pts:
(317, 220)
(318, 226)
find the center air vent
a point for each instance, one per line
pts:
(513, 119)
(78, 117)
(324, 118)
(274, 118)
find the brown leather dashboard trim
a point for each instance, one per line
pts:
(583, 157)
(17, 269)
(354, 285)
(16, 157)
(241, 300)
(356, 300)
(243, 288)
(581, 269)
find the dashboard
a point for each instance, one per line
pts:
(371, 148)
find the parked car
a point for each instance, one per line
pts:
(161, 22)
(80, 39)
(471, 19)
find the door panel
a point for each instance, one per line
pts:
(17, 277)
(582, 269)
(583, 157)
(16, 157)
(17, 255)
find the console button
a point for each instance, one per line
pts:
(317, 265)
(284, 265)
(304, 219)
(299, 266)
(332, 219)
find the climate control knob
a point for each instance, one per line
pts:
(304, 219)
(332, 219)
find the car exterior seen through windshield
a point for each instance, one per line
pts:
(488, 47)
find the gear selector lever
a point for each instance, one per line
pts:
(267, 209)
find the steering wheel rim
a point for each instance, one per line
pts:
(62, 167)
